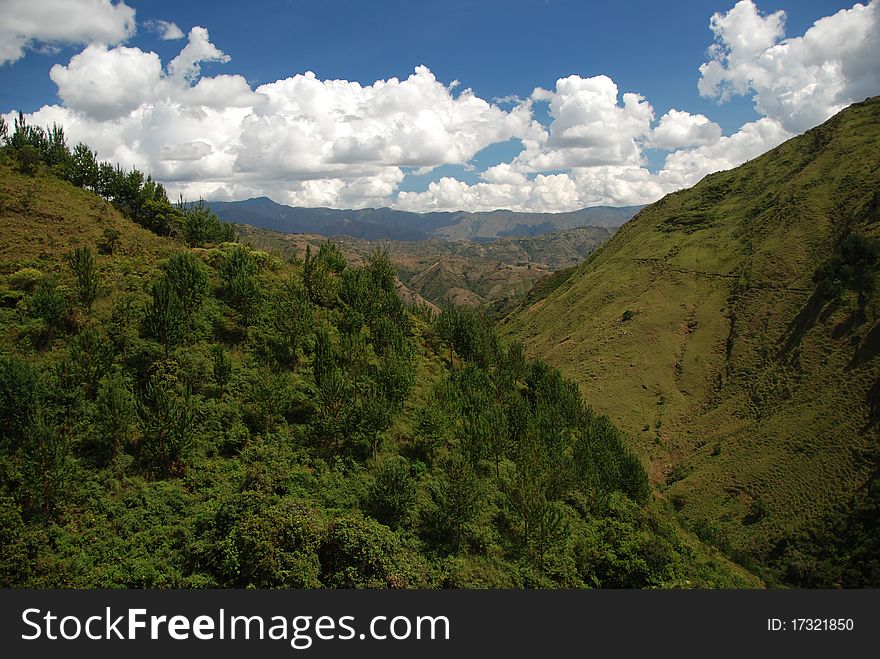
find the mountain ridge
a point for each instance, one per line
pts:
(392, 224)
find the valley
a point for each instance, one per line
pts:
(689, 400)
(493, 274)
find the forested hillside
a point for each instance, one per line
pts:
(733, 330)
(178, 410)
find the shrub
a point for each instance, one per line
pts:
(25, 279)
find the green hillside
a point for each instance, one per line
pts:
(185, 411)
(732, 330)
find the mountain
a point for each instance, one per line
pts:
(498, 273)
(734, 330)
(390, 224)
(174, 416)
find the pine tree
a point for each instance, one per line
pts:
(164, 318)
(82, 262)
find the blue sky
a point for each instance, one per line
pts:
(496, 48)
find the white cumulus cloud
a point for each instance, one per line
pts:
(678, 129)
(167, 30)
(105, 83)
(28, 24)
(306, 141)
(799, 81)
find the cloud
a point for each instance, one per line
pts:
(686, 167)
(186, 66)
(167, 30)
(306, 141)
(678, 129)
(24, 24)
(105, 83)
(589, 127)
(799, 81)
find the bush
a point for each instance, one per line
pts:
(25, 279)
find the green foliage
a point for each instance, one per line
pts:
(361, 553)
(283, 326)
(853, 266)
(200, 226)
(391, 496)
(25, 279)
(20, 389)
(238, 271)
(260, 543)
(89, 358)
(16, 555)
(188, 279)
(165, 317)
(110, 239)
(456, 501)
(321, 273)
(117, 414)
(222, 366)
(167, 420)
(49, 304)
(45, 469)
(82, 262)
(469, 334)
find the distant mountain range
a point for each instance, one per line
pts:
(390, 224)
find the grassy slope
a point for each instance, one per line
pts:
(736, 383)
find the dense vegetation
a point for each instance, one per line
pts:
(185, 411)
(745, 315)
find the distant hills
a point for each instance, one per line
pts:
(734, 330)
(496, 274)
(390, 224)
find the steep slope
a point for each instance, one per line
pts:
(751, 390)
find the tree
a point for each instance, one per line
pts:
(116, 414)
(89, 358)
(167, 421)
(321, 273)
(48, 304)
(391, 496)
(45, 468)
(222, 366)
(240, 287)
(109, 241)
(28, 159)
(83, 169)
(57, 155)
(188, 278)
(199, 225)
(165, 318)
(82, 262)
(456, 502)
(853, 266)
(285, 322)
(20, 393)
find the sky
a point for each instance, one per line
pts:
(529, 105)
